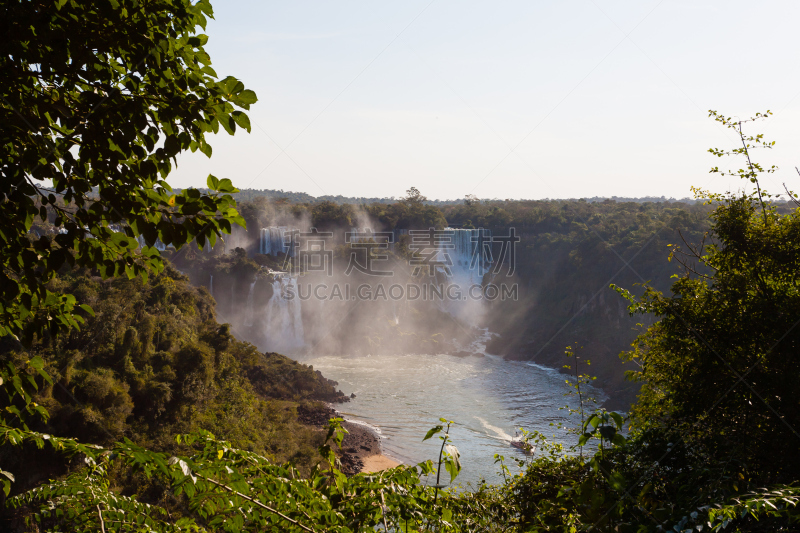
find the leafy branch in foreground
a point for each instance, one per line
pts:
(94, 115)
(578, 388)
(237, 490)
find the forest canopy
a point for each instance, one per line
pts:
(127, 406)
(98, 99)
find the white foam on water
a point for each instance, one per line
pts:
(374, 428)
(499, 432)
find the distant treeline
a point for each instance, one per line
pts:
(248, 195)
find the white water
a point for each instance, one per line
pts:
(468, 255)
(273, 241)
(282, 319)
(211, 285)
(487, 397)
(468, 250)
(502, 435)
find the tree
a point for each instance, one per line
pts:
(720, 367)
(330, 215)
(414, 197)
(98, 99)
(471, 199)
(412, 213)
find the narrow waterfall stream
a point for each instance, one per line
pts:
(248, 317)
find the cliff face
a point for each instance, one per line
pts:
(565, 299)
(596, 326)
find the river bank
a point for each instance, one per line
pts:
(488, 398)
(361, 450)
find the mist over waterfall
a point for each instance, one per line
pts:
(282, 320)
(395, 303)
(272, 241)
(248, 318)
(283, 311)
(467, 254)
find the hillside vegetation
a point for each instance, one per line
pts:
(126, 406)
(153, 362)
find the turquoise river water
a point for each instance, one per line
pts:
(488, 398)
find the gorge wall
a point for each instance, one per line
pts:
(562, 268)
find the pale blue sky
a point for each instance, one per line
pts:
(501, 99)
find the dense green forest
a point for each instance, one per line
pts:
(697, 451)
(153, 362)
(250, 195)
(126, 406)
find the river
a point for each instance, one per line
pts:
(488, 398)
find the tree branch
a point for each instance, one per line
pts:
(102, 524)
(258, 503)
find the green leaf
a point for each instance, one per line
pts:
(225, 185)
(617, 481)
(247, 97)
(241, 119)
(433, 431)
(607, 432)
(453, 462)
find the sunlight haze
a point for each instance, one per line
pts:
(511, 100)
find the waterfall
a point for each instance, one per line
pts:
(470, 256)
(211, 285)
(272, 241)
(248, 317)
(471, 253)
(282, 320)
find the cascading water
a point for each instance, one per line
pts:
(211, 285)
(273, 241)
(283, 319)
(248, 317)
(469, 251)
(468, 254)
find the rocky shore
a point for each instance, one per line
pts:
(361, 447)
